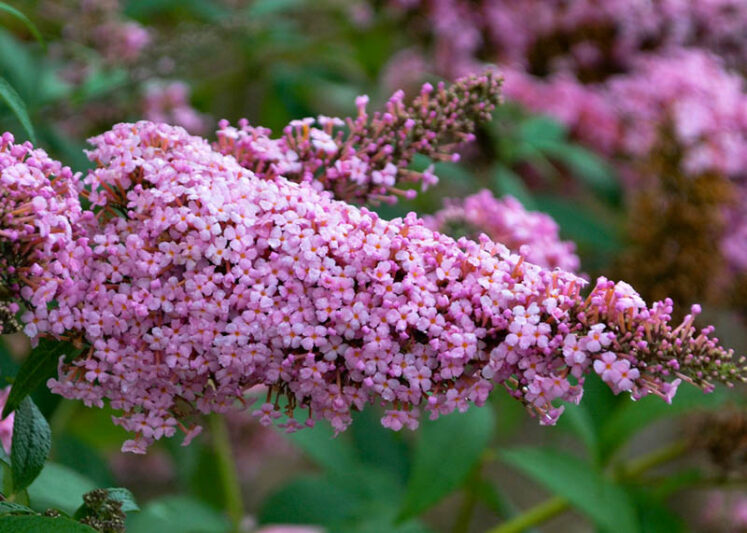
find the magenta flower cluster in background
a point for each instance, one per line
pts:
(534, 235)
(169, 102)
(625, 77)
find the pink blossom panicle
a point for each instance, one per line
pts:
(366, 158)
(169, 102)
(530, 233)
(40, 215)
(202, 280)
(6, 424)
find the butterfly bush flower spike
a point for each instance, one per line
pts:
(199, 280)
(366, 158)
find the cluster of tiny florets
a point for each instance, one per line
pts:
(39, 223)
(529, 233)
(366, 158)
(201, 280)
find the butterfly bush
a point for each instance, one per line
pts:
(370, 160)
(6, 424)
(169, 102)
(586, 37)
(589, 65)
(200, 280)
(40, 216)
(533, 234)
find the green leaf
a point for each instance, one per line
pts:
(206, 10)
(333, 453)
(38, 524)
(268, 7)
(378, 446)
(32, 441)
(631, 417)
(309, 500)
(541, 129)
(585, 166)
(4, 457)
(580, 224)
(37, 369)
(9, 95)
(72, 452)
(506, 181)
(177, 514)
(654, 516)
(60, 488)
(123, 495)
(14, 508)
(118, 494)
(447, 449)
(578, 419)
(23, 18)
(580, 483)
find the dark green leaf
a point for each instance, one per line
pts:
(578, 419)
(378, 446)
(37, 369)
(309, 501)
(580, 224)
(72, 452)
(506, 181)
(654, 516)
(631, 417)
(123, 495)
(204, 481)
(23, 18)
(39, 524)
(333, 453)
(14, 508)
(580, 483)
(585, 166)
(447, 449)
(268, 7)
(541, 129)
(177, 514)
(32, 441)
(200, 9)
(4, 457)
(9, 95)
(677, 481)
(117, 494)
(59, 487)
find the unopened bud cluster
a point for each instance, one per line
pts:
(366, 158)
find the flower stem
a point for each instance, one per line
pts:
(533, 516)
(226, 469)
(640, 465)
(469, 502)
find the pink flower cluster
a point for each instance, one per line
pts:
(369, 162)
(200, 280)
(532, 234)
(101, 22)
(40, 215)
(703, 105)
(6, 424)
(582, 36)
(696, 104)
(590, 64)
(169, 102)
